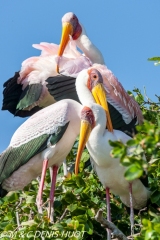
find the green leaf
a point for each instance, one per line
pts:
(90, 212)
(69, 197)
(29, 223)
(131, 142)
(133, 172)
(85, 156)
(30, 199)
(73, 224)
(72, 207)
(81, 218)
(12, 197)
(117, 152)
(155, 196)
(116, 143)
(79, 211)
(154, 59)
(89, 227)
(79, 181)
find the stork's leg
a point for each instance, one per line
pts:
(41, 186)
(51, 197)
(131, 209)
(108, 212)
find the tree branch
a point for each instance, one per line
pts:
(115, 231)
(64, 214)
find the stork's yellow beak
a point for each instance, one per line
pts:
(67, 30)
(99, 95)
(84, 135)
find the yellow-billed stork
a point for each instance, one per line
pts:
(42, 141)
(96, 137)
(72, 29)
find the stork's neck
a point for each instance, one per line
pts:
(88, 48)
(83, 92)
(95, 144)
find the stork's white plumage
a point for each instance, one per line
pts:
(108, 169)
(45, 139)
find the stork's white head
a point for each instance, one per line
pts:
(89, 86)
(91, 116)
(70, 27)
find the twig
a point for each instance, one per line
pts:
(115, 231)
(19, 203)
(17, 219)
(63, 215)
(131, 237)
(96, 233)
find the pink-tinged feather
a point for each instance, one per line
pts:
(47, 48)
(38, 69)
(118, 97)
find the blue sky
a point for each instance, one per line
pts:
(126, 32)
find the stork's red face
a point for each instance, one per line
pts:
(95, 85)
(87, 124)
(70, 27)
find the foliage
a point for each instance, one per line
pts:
(78, 198)
(145, 143)
(157, 59)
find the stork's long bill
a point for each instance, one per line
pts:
(67, 30)
(87, 124)
(95, 84)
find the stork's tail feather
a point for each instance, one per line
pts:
(3, 192)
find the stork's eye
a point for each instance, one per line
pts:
(94, 76)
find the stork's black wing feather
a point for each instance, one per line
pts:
(15, 98)
(62, 87)
(11, 93)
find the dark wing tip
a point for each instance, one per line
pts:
(25, 113)
(11, 93)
